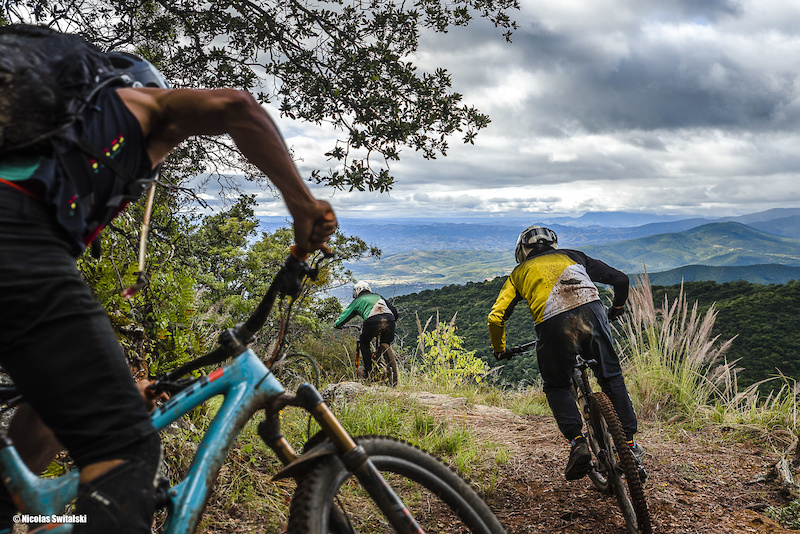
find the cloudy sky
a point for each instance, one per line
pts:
(676, 106)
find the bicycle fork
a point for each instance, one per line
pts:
(352, 455)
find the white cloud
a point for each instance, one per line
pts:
(684, 106)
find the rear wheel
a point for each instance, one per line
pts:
(618, 466)
(296, 369)
(384, 365)
(330, 499)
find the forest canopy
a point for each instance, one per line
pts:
(762, 318)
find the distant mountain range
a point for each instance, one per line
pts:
(395, 235)
(716, 244)
(419, 254)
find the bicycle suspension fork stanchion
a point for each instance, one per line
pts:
(356, 460)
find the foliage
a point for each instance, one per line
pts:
(347, 63)
(788, 516)
(675, 367)
(443, 360)
(205, 274)
(763, 318)
(157, 326)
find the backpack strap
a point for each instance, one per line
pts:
(20, 189)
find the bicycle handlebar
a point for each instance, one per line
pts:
(510, 352)
(519, 349)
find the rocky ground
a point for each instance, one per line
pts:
(705, 481)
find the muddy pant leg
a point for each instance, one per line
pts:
(614, 388)
(562, 403)
(122, 499)
(555, 366)
(376, 326)
(58, 346)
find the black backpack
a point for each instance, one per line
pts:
(46, 79)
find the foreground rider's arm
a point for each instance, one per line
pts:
(169, 116)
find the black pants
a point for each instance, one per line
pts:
(380, 326)
(585, 331)
(58, 345)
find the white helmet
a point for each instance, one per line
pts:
(534, 238)
(360, 287)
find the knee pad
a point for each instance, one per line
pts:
(122, 499)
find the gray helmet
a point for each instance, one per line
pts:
(136, 71)
(360, 287)
(536, 238)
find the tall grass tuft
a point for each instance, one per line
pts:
(677, 367)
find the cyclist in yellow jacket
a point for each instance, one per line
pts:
(558, 286)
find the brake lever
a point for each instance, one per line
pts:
(294, 272)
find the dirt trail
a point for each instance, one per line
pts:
(699, 482)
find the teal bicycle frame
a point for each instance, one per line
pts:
(247, 385)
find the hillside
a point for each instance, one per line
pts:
(756, 274)
(763, 319)
(714, 244)
(725, 244)
(784, 226)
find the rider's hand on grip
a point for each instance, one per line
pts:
(505, 355)
(615, 312)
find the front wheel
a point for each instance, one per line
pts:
(329, 499)
(617, 465)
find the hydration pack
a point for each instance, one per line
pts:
(47, 79)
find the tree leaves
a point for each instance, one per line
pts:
(344, 63)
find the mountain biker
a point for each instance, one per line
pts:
(558, 285)
(379, 318)
(56, 341)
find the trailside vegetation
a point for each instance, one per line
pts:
(760, 319)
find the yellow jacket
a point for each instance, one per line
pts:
(553, 282)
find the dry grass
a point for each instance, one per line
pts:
(676, 369)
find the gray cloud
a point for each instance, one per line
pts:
(678, 106)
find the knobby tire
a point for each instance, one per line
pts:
(387, 363)
(631, 501)
(440, 500)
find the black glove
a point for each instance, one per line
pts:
(505, 355)
(615, 312)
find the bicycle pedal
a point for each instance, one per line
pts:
(642, 474)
